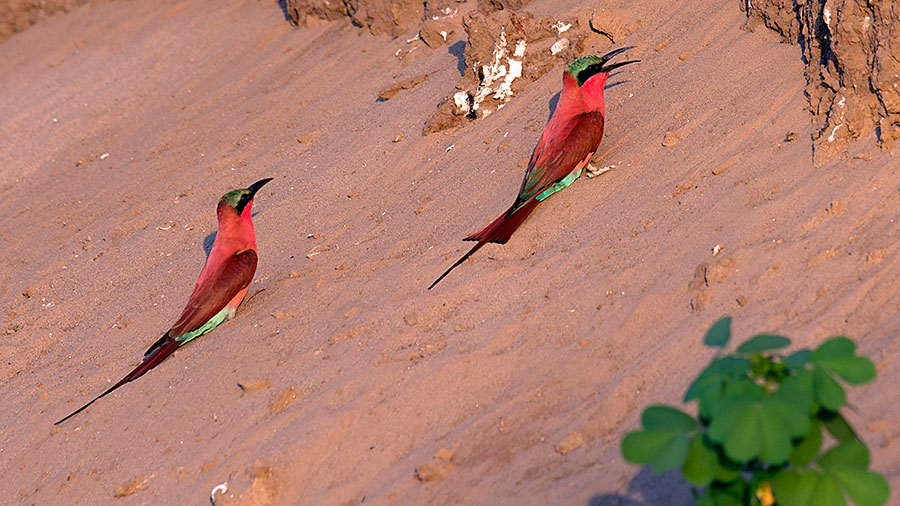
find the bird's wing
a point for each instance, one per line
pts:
(564, 153)
(214, 293)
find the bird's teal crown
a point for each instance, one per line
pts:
(583, 68)
(238, 199)
(233, 198)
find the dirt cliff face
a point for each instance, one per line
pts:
(19, 15)
(505, 49)
(851, 48)
(392, 17)
(504, 52)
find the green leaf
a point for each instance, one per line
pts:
(782, 421)
(864, 487)
(700, 466)
(837, 426)
(730, 494)
(672, 455)
(659, 448)
(776, 441)
(705, 501)
(797, 392)
(665, 417)
(798, 360)
(744, 387)
(853, 455)
(726, 472)
(793, 419)
(725, 415)
(854, 370)
(827, 493)
(719, 334)
(641, 446)
(743, 438)
(792, 488)
(763, 342)
(707, 402)
(716, 373)
(837, 355)
(845, 472)
(749, 428)
(803, 453)
(836, 347)
(733, 367)
(706, 382)
(829, 394)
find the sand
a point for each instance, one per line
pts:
(513, 381)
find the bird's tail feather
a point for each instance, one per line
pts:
(161, 341)
(499, 231)
(155, 358)
(461, 260)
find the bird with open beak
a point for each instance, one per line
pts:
(566, 145)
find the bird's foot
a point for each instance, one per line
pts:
(593, 171)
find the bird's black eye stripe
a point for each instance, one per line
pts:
(589, 72)
(245, 198)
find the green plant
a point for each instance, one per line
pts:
(758, 438)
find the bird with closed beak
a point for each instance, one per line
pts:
(219, 291)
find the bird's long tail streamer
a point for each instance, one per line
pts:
(148, 363)
(499, 231)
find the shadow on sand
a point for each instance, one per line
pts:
(649, 489)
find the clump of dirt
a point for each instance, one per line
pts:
(437, 9)
(302, 12)
(130, 487)
(781, 16)
(19, 15)
(488, 6)
(505, 51)
(392, 17)
(392, 90)
(852, 49)
(438, 468)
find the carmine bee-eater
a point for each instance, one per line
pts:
(566, 145)
(223, 282)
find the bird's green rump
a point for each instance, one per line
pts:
(213, 322)
(559, 185)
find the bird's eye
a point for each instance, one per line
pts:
(242, 203)
(589, 72)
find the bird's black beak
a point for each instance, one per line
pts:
(608, 56)
(257, 185)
